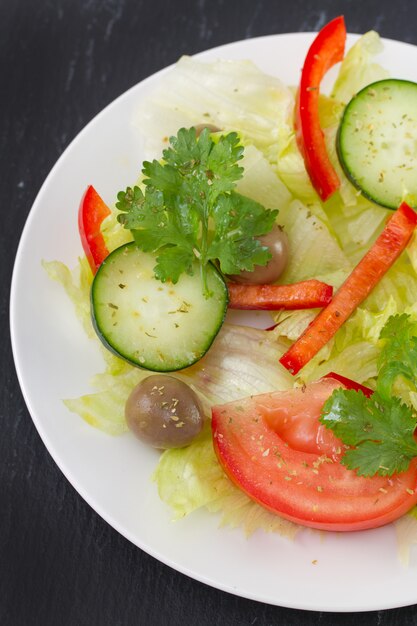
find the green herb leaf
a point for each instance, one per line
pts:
(147, 217)
(381, 431)
(189, 212)
(172, 262)
(237, 218)
(381, 428)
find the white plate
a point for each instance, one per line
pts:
(54, 360)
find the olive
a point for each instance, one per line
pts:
(277, 242)
(200, 127)
(164, 412)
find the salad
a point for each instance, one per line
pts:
(348, 254)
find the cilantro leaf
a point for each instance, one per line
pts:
(172, 262)
(237, 217)
(146, 216)
(154, 228)
(382, 458)
(381, 431)
(398, 356)
(188, 212)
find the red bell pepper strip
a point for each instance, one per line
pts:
(93, 210)
(350, 384)
(326, 50)
(369, 271)
(304, 295)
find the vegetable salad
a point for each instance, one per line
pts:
(329, 231)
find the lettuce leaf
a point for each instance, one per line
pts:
(114, 235)
(291, 324)
(308, 227)
(232, 95)
(358, 68)
(77, 284)
(290, 163)
(224, 372)
(191, 478)
(260, 182)
(355, 224)
(406, 532)
(291, 169)
(314, 251)
(105, 409)
(241, 362)
(355, 349)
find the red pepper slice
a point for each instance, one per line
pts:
(307, 294)
(350, 384)
(354, 290)
(327, 49)
(93, 210)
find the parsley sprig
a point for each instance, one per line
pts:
(189, 212)
(379, 429)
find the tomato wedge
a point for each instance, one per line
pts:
(369, 271)
(275, 449)
(327, 49)
(93, 210)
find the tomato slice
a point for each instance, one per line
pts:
(93, 210)
(275, 449)
(308, 294)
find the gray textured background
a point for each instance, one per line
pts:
(61, 62)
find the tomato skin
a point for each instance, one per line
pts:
(301, 482)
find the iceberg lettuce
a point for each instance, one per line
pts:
(358, 68)
(406, 531)
(232, 95)
(191, 478)
(77, 284)
(326, 241)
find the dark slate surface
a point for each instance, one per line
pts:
(61, 62)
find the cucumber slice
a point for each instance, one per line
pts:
(377, 142)
(154, 325)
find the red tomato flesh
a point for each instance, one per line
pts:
(274, 448)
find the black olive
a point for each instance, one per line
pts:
(164, 412)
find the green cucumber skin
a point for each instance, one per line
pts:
(339, 139)
(349, 174)
(154, 369)
(345, 169)
(181, 365)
